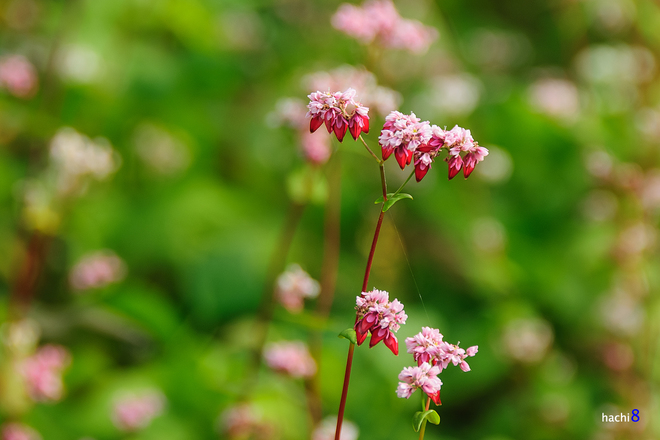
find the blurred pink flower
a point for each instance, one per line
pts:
(43, 372)
(18, 431)
(555, 97)
(379, 21)
(97, 269)
(291, 358)
(424, 376)
(376, 314)
(18, 76)
(244, 421)
(136, 411)
(328, 426)
(339, 111)
(316, 149)
(293, 286)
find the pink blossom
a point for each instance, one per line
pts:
(428, 347)
(97, 269)
(316, 149)
(424, 376)
(339, 111)
(379, 21)
(293, 286)
(459, 140)
(291, 358)
(136, 411)
(18, 431)
(376, 314)
(43, 372)
(18, 76)
(402, 135)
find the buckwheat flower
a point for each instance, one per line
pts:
(18, 431)
(133, 412)
(382, 318)
(402, 135)
(96, 270)
(328, 426)
(459, 140)
(291, 358)
(424, 377)
(450, 353)
(412, 36)
(43, 372)
(293, 286)
(339, 112)
(241, 422)
(18, 76)
(425, 345)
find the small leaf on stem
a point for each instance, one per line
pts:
(392, 198)
(349, 334)
(420, 416)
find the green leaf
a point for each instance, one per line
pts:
(349, 334)
(392, 199)
(420, 416)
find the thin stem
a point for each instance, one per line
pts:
(369, 150)
(421, 431)
(349, 360)
(404, 183)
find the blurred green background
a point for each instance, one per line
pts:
(547, 257)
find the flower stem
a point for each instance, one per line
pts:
(421, 431)
(351, 349)
(380, 162)
(405, 183)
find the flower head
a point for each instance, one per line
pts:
(18, 76)
(424, 377)
(459, 140)
(376, 314)
(97, 269)
(290, 358)
(339, 111)
(403, 135)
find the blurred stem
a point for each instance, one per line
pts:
(421, 431)
(331, 248)
(28, 274)
(365, 282)
(276, 265)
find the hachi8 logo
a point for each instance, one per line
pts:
(619, 418)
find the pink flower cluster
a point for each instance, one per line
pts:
(432, 355)
(415, 141)
(376, 314)
(43, 372)
(379, 21)
(136, 411)
(293, 286)
(97, 269)
(18, 76)
(339, 111)
(244, 421)
(424, 376)
(18, 431)
(427, 346)
(291, 358)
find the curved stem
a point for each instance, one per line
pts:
(405, 183)
(421, 431)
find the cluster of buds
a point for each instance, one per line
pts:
(290, 358)
(432, 355)
(380, 316)
(43, 372)
(339, 111)
(418, 142)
